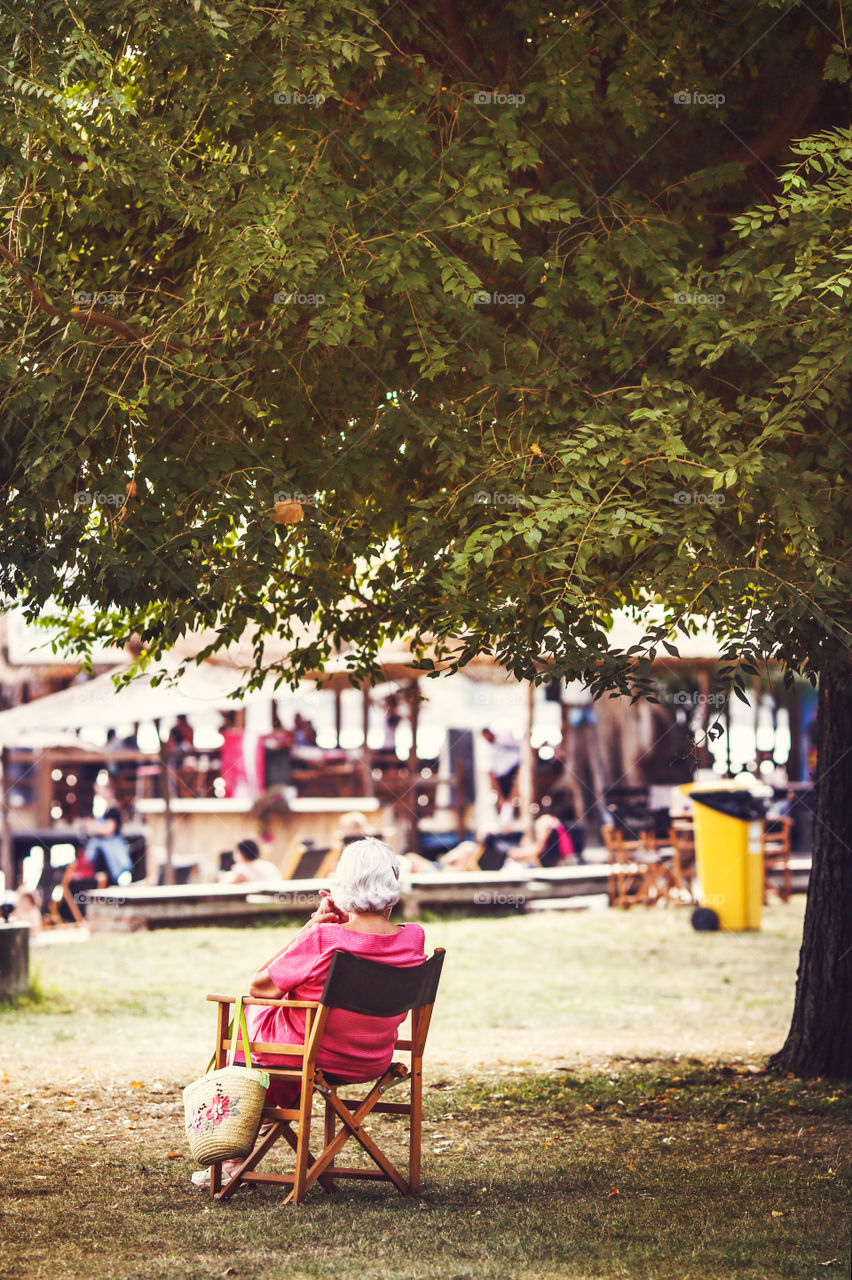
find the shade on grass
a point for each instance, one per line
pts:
(667, 1173)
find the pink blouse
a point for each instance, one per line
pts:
(354, 1046)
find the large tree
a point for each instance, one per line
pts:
(437, 322)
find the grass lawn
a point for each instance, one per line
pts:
(563, 1136)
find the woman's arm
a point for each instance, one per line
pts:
(261, 986)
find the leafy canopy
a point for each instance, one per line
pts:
(470, 321)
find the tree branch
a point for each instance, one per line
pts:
(85, 319)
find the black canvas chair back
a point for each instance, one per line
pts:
(493, 854)
(380, 990)
(551, 854)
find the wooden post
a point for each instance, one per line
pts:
(413, 699)
(703, 757)
(44, 787)
(596, 769)
(7, 849)
(413, 696)
(338, 715)
(526, 772)
(166, 788)
(570, 778)
(365, 749)
(728, 770)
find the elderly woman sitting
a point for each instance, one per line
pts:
(356, 917)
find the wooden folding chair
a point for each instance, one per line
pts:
(776, 855)
(372, 990)
(636, 873)
(682, 839)
(622, 881)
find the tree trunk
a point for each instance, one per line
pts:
(819, 1042)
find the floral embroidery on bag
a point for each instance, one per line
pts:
(207, 1116)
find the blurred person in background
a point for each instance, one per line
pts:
(106, 848)
(503, 764)
(249, 866)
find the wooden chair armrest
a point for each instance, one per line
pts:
(274, 1004)
(282, 1004)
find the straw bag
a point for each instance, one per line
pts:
(221, 1111)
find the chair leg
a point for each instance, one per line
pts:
(254, 1157)
(415, 1128)
(352, 1128)
(300, 1174)
(330, 1127)
(327, 1184)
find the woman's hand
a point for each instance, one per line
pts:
(328, 912)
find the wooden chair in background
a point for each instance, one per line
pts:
(776, 855)
(637, 873)
(372, 990)
(682, 841)
(305, 861)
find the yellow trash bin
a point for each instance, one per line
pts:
(729, 852)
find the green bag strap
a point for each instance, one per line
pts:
(240, 1017)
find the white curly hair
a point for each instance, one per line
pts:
(366, 877)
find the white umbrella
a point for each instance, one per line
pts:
(99, 702)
